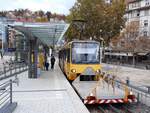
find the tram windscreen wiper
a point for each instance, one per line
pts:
(91, 62)
(85, 62)
(78, 62)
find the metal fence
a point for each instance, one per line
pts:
(6, 103)
(142, 93)
(12, 69)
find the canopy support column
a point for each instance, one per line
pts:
(30, 60)
(33, 58)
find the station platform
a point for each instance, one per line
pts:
(50, 93)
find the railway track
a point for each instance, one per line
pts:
(109, 109)
(118, 108)
(136, 108)
(104, 109)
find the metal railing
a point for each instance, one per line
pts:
(141, 91)
(6, 103)
(12, 69)
(142, 94)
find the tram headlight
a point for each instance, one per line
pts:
(91, 94)
(98, 71)
(73, 70)
(131, 93)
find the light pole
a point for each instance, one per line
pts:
(79, 24)
(102, 46)
(54, 36)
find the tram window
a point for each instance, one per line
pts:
(85, 53)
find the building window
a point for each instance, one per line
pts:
(147, 2)
(132, 14)
(145, 23)
(138, 13)
(122, 43)
(145, 33)
(146, 12)
(135, 5)
(108, 1)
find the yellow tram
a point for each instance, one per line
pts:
(82, 58)
(76, 56)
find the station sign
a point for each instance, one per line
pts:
(11, 49)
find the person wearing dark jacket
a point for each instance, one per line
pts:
(1, 54)
(52, 62)
(46, 66)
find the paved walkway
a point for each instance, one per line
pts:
(51, 93)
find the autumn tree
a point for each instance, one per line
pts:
(131, 40)
(3, 13)
(48, 14)
(41, 16)
(144, 44)
(99, 16)
(41, 13)
(130, 36)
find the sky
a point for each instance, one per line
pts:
(55, 6)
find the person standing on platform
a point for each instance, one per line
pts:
(52, 62)
(46, 66)
(41, 61)
(1, 54)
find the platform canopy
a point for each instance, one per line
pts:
(47, 33)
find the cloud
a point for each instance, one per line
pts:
(55, 6)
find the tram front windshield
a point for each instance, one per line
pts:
(85, 53)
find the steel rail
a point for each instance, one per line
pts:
(4, 84)
(6, 103)
(1, 93)
(127, 110)
(4, 96)
(116, 110)
(109, 109)
(101, 109)
(5, 100)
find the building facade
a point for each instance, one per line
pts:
(4, 21)
(139, 11)
(108, 1)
